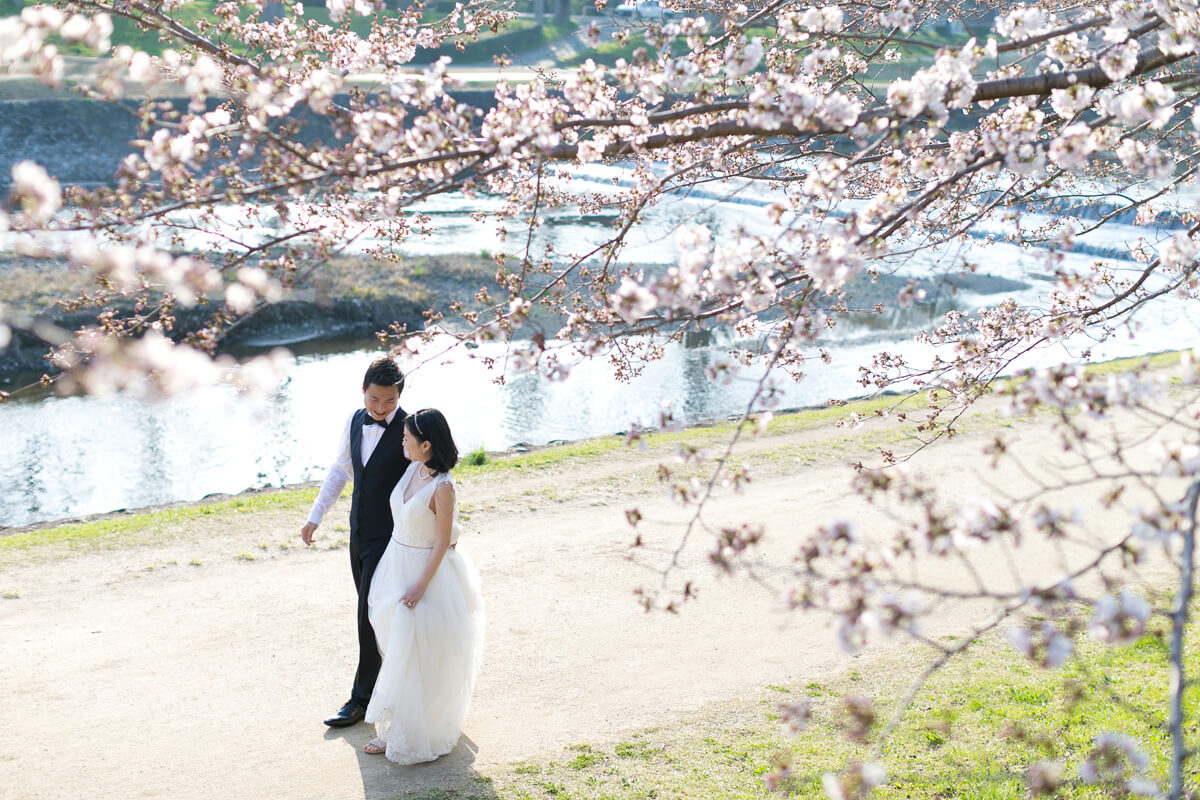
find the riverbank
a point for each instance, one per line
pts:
(192, 652)
(140, 526)
(348, 297)
(354, 297)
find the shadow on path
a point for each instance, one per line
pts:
(384, 780)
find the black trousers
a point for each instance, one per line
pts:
(364, 558)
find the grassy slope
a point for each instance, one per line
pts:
(188, 14)
(955, 741)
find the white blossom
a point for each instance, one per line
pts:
(819, 58)
(1178, 458)
(1119, 619)
(632, 301)
(856, 782)
(1152, 102)
(1042, 643)
(1071, 148)
(36, 191)
(1070, 101)
(1177, 43)
(1178, 251)
(902, 15)
(1127, 14)
(1119, 61)
(240, 298)
(834, 264)
(590, 150)
(1115, 758)
(741, 57)
(1070, 50)
(1144, 159)
(682, 75)
(839, 111)
(1022, 22)
(339, 8)
(906, 97)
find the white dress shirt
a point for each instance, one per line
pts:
(342, 469)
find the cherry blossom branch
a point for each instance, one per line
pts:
(1179, 619)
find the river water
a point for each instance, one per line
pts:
(66, 457)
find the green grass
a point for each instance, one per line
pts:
(190, 14)
(585, 758)
(476, 458)
(957, 740)
(665, 441)
(146, 527)
(1119, 365)
(607, 52)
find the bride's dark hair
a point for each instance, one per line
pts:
(428, 425)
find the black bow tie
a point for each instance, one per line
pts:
(372, 421)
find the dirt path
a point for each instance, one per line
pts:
(136, 673)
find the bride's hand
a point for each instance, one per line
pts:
(413, 596)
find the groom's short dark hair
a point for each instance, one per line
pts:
(384, 372)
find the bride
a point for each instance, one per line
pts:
(425, 607)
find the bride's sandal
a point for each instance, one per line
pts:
(375, 747)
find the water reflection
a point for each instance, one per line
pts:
(62, 457)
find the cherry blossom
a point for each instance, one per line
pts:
(865, 159)
(36, 192)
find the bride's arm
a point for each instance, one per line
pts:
(443, 515)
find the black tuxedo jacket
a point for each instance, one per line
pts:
(370, 505)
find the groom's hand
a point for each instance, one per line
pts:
(306, 533)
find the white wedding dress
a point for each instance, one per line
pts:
(431, 653)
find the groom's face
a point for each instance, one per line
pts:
(380, 400)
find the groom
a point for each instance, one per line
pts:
(370, 453)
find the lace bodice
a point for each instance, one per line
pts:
(414, 520)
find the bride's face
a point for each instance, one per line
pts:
(414, 448)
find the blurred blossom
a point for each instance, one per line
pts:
(1119, 60)
(1178, 251)
(1044, 778)
(793, 717)
(857, 717)
(1189, 366)
(1178, 459)
(37, 193)
(1044, 644)
(1119, 619)
(855, 783)
(240, 298)
(632, 301)
(261, 375)
(779, 776)
(1022, 22)
(742, 56)
(1116, 759)
(339, 8)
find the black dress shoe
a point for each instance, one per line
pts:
(349, 714)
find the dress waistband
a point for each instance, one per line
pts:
(411, 546)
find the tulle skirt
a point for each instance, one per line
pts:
(431, 653)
